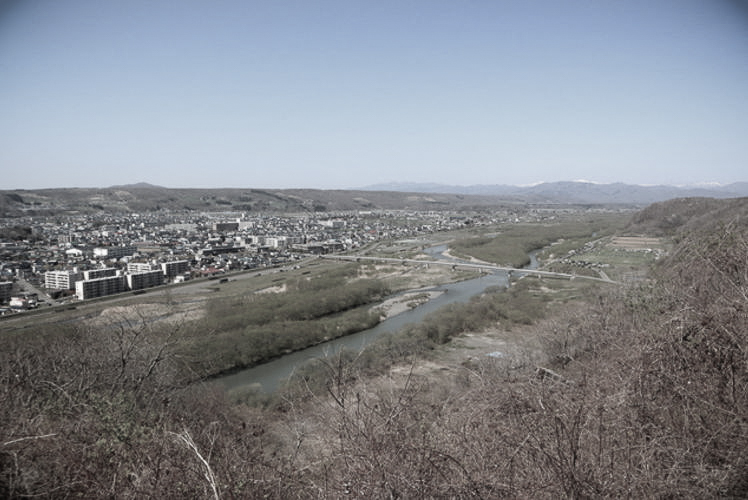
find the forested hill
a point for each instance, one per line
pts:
(689, 214)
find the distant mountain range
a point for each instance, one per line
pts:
(144, 197)
(575, 191)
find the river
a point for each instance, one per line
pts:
(268, 376)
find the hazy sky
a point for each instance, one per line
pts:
(341, 94)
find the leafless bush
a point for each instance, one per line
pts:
(646, 398)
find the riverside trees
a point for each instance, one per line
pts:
(254, 327)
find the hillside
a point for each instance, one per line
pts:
(687, 214)
(144, 197)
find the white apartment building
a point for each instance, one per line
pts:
(61, 280)
(93, 274)
(140, 267)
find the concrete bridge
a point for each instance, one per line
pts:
(469, 265)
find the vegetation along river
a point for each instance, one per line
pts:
(268, 376)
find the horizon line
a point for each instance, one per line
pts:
(378, 186)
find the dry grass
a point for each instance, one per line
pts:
(636, 242)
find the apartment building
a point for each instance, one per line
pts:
(61, 280)
(145, 279)
(99, 287)
(93, 274)
(140, 267)
(175, 268)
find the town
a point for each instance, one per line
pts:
(53, 260)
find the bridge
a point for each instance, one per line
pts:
(469, 265)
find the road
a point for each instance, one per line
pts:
(189, 287)
(41, 295)
(454, 265)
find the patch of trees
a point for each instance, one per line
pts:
(99, 413)
(257, 327)
(16, 233)
(15, 197)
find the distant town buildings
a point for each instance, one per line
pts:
(114, 252)
(275, 241)
(225, 226)
(148, 249)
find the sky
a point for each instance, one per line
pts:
(350, 93)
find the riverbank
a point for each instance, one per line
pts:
(468, 258)
(402, 303)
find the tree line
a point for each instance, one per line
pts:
(249, 329)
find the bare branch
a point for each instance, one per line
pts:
(28, 438)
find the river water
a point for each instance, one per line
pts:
(268, 376)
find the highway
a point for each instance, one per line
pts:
(192, 286)
(471, 265)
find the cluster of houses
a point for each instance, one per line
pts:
(88, 256)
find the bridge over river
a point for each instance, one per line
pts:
(470, 265)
